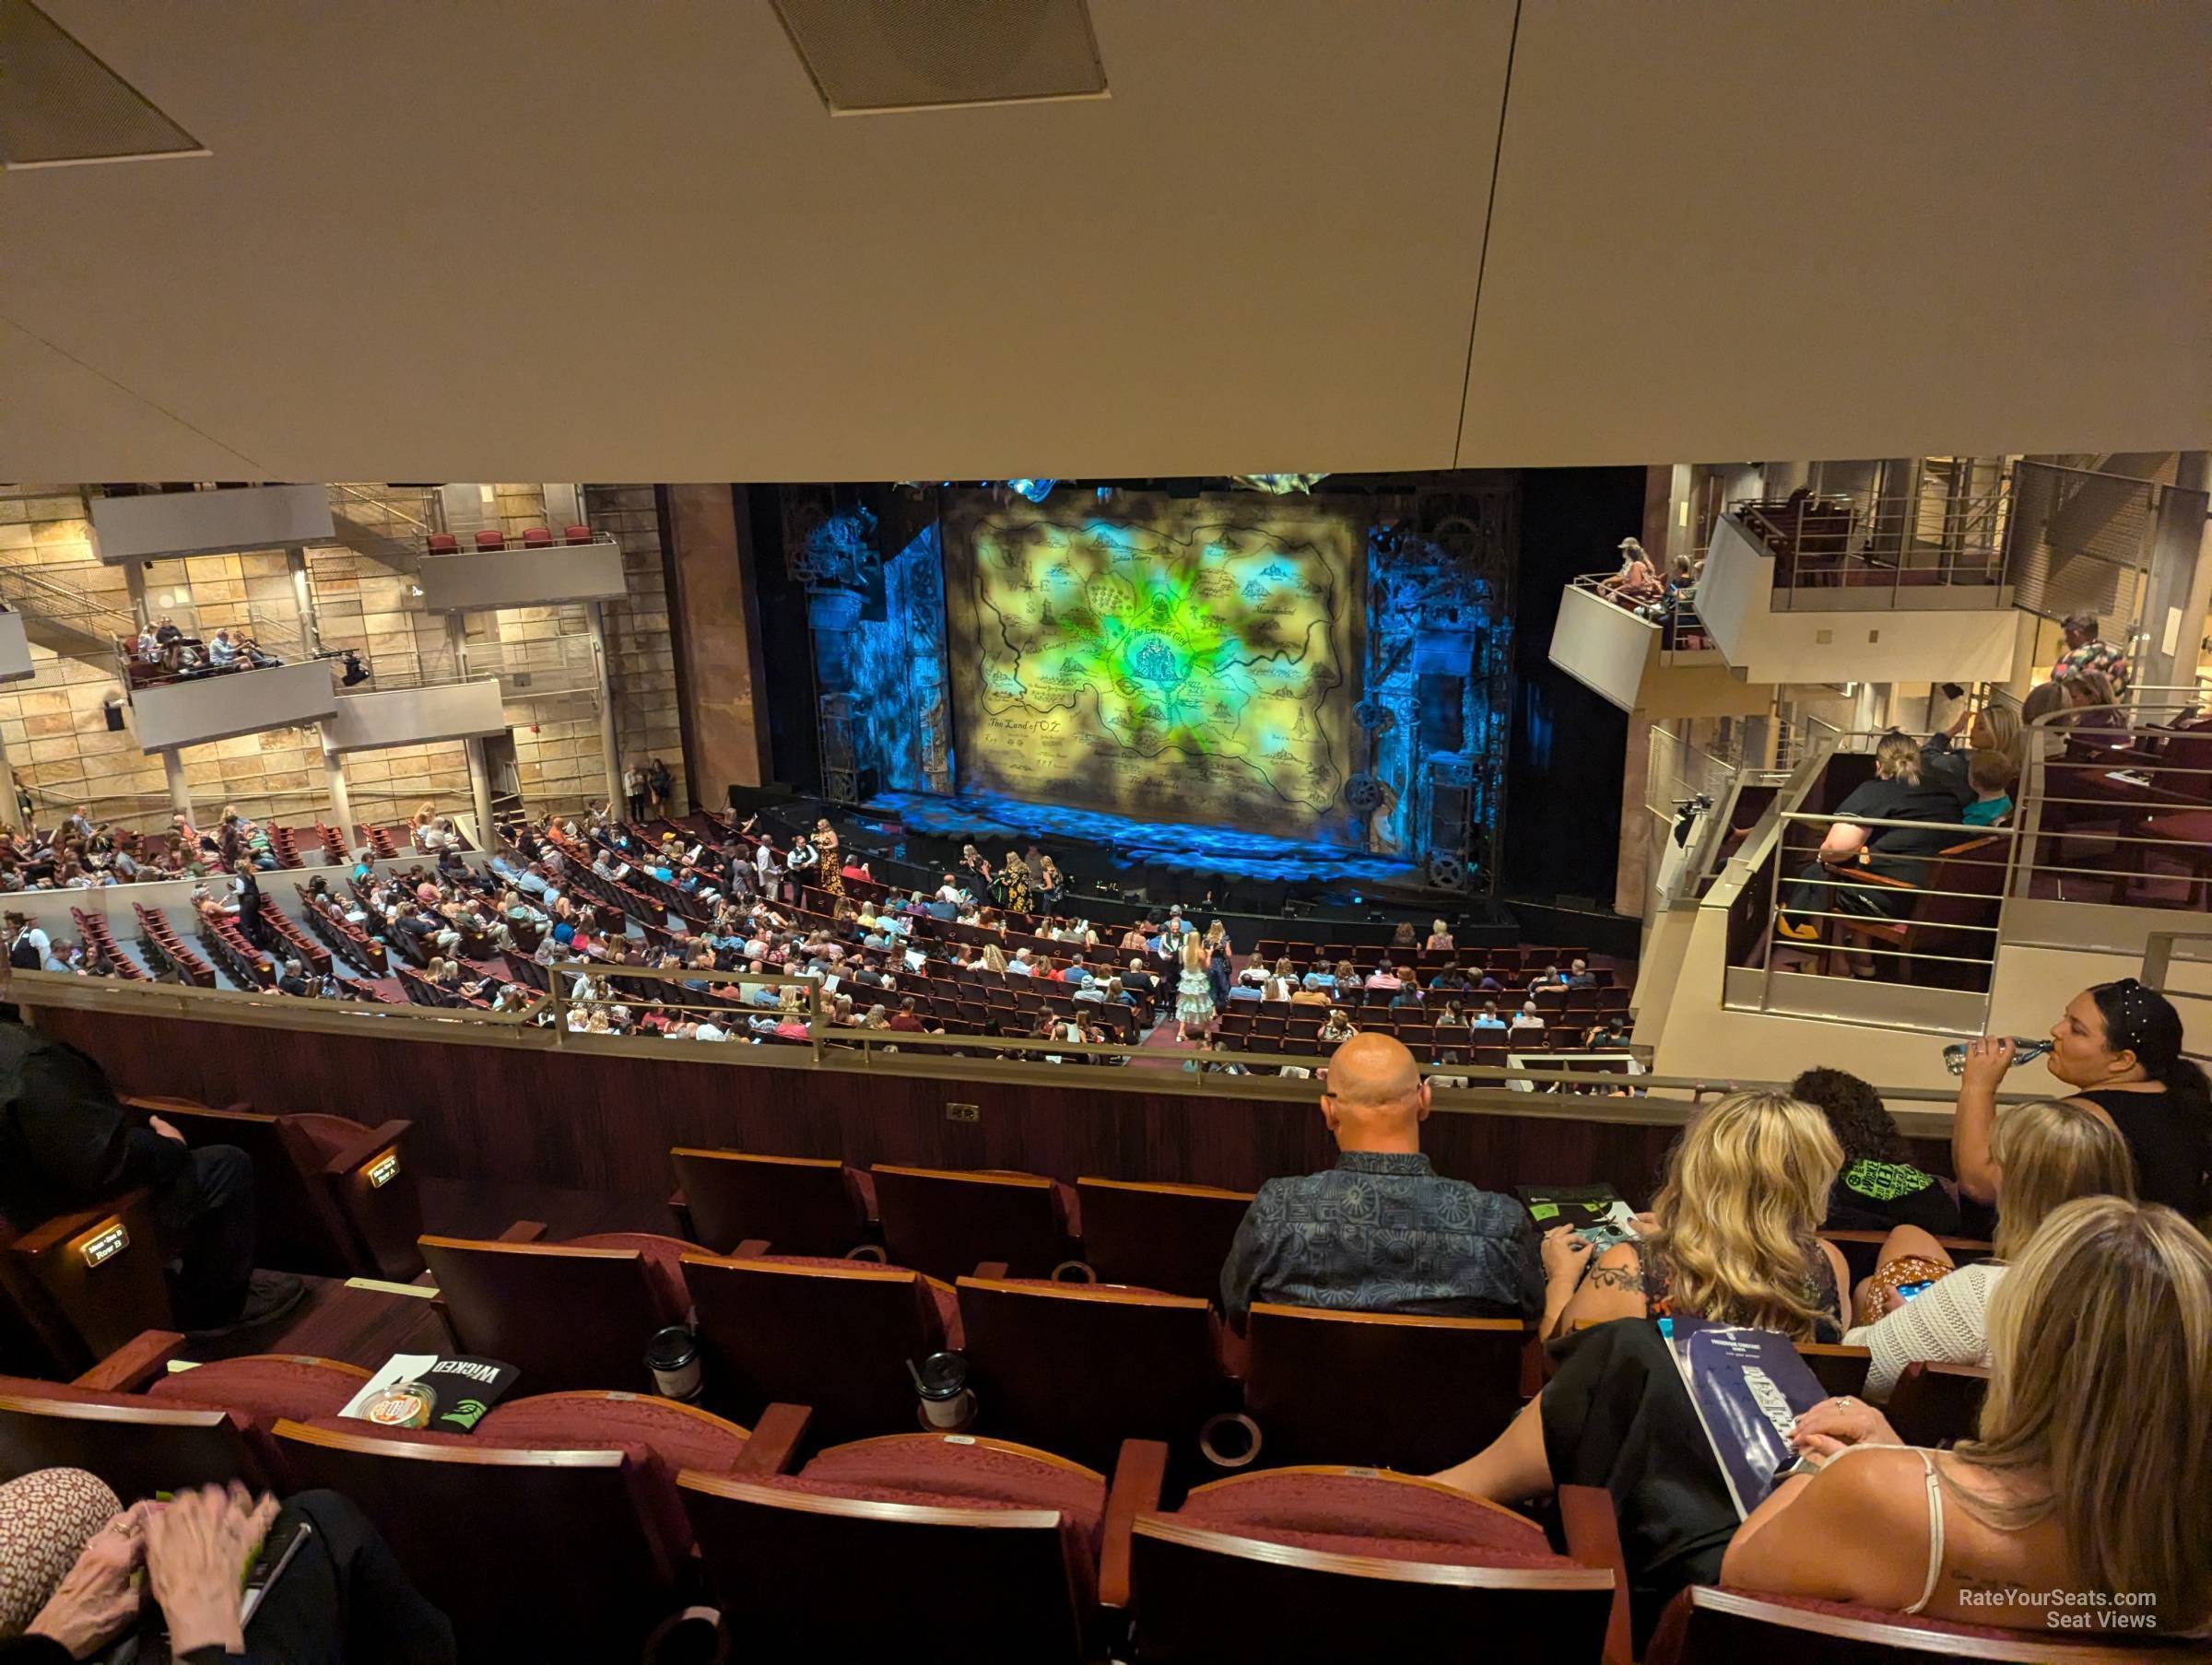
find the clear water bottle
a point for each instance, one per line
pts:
(1954, 1055)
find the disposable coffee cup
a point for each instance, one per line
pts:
(673, 1357)
(941, 1384)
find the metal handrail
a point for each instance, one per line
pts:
(66, 605)
(2036, 795)
(383, 505)
(1669, 1099)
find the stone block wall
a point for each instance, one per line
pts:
(62, 752)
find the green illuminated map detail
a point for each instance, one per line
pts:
(1181, 651)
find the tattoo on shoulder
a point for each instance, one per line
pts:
(1616, 1277)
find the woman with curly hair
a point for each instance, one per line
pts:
(1879, 1187)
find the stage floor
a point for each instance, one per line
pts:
(992, 822)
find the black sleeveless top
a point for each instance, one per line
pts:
(2168, 1147)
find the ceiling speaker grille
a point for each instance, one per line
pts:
(59, 104)
(878, 55)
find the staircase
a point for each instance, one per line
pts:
(381, 527)
(63, 617)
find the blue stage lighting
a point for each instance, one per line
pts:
(1035, 490)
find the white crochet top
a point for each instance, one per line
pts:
(1947, 1323)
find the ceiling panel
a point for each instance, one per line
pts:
(54, 411)
(576, 241)
(1739, 229)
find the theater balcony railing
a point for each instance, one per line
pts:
(1612, 1086)
(2107, 849)
(522, 576)
(1651, 659)
(1848, 589)
(189, 711)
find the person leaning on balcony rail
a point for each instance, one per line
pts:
(1897, 793)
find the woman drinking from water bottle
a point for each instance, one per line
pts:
(2119, 1046)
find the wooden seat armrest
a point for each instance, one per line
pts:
(366, 1146)
(1593, 1535)
(522, 1231)
(134, 1364)
(52, 1234)
(774, 1446)
(1138, 1475)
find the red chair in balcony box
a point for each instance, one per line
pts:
(537, 537)
(444, 542)
(577, 534)
(487, 542)
(1311, 1564)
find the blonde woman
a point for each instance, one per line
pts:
(1733, 1231)
(1899, 791)
(2047, 1153)
(1731, 1241)
(1194, 991)
(995, 958)
(2089, 1482)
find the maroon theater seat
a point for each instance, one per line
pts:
(1173, 1238)
(833, 1335)
(1316, 1564)
(965, 1548)
(1709, 1626)
(798, 1205)
(491, 540)
(444, 543)
(577, 534)
(537, 537)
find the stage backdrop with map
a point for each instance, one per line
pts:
(1163, 657)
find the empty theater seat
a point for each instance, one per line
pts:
(567, 1314)
(1170, 1237)
(967, 1549)
(797, 1205)
(1078, 1369)
(1390, 1391)
(834, 1335)
(946, 1224)
(1318, 1564)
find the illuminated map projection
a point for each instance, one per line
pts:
(1177, 659)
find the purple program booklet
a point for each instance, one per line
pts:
(1749, 1387)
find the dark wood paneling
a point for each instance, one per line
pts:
(604, 1123)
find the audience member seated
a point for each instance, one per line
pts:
(1879, 1187)
(1897, 793)
(2090, 1479)
(1994, 728)
(341, 1596)
(66, 1143)
(1919, 1306)
(1730, 1240)
(1381, 1232)
(1637, 581)
(1732, 1235)
(2119, 1046)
